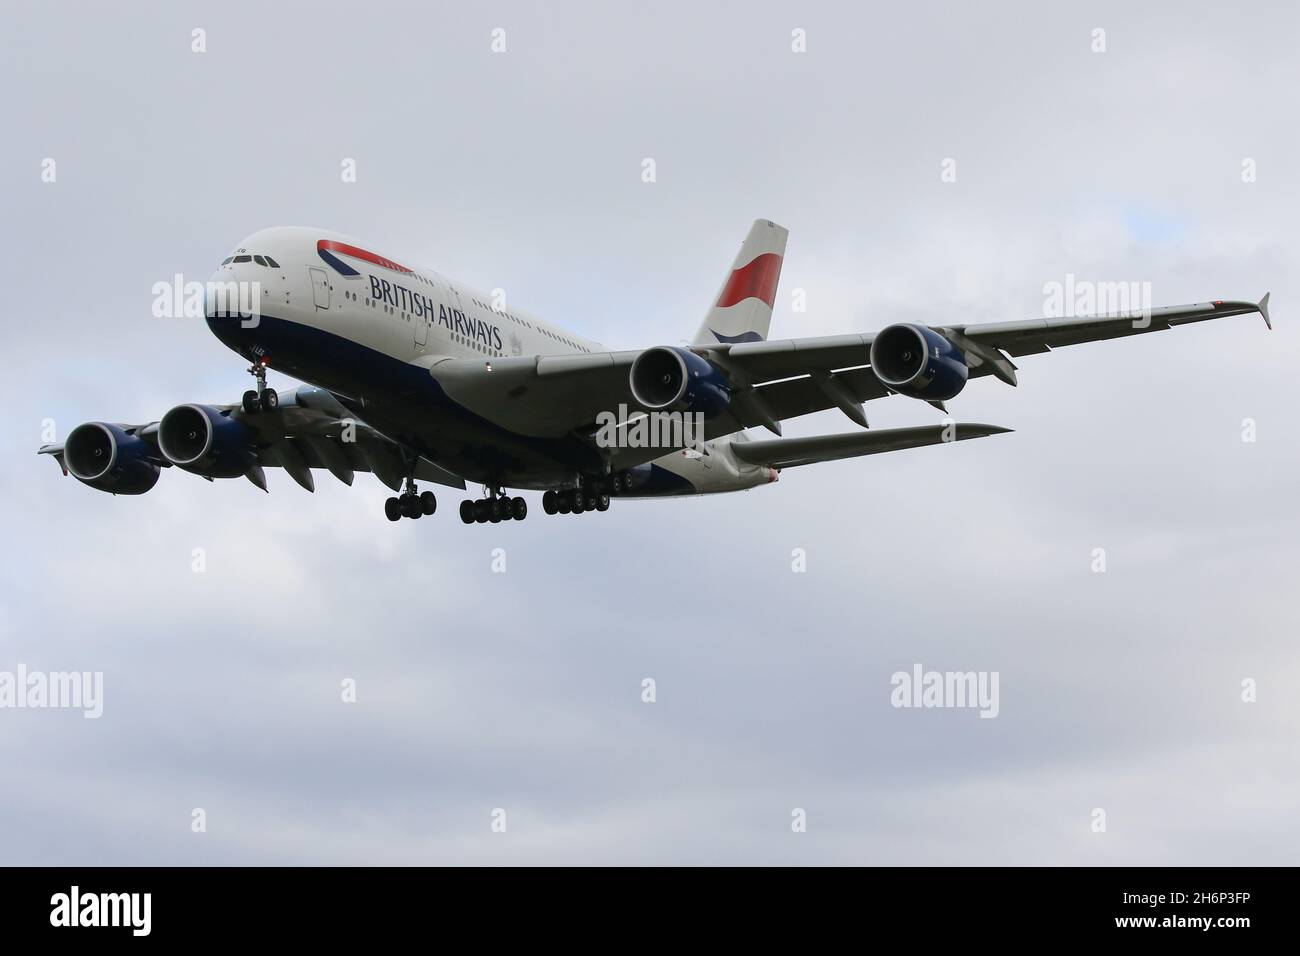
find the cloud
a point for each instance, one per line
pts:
(522, 691)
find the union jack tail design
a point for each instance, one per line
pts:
(742, 312)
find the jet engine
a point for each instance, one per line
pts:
(918, 362)
(109, 459)
(678, 380)
(206, 441)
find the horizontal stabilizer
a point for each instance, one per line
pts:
(789, 452)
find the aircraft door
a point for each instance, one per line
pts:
(320, 288)
(422, 328)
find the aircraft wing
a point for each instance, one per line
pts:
(1043, 335)
(790, 452)
(309, 431)
(772, 380)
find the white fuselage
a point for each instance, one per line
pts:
(314, 281)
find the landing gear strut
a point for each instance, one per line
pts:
(496, 507)
(261, 399)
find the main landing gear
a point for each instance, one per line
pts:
(574, 501)
(496, 507)
(592, 494)
(412, 504)
(261, 399)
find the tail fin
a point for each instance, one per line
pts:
(742, 312)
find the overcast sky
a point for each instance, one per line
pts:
(522, 690)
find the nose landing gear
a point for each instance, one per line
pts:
(261, 399)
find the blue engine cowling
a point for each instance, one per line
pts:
(109, 459)
(678, 380)
(918, 362)
(205, 441)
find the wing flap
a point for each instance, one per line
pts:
(793, 397)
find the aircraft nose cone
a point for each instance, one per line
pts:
(211, 300)
(228, 293)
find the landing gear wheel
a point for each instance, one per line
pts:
(549, 504)
(579, 502)
(563, 502)
(467, 511)
(519, 509)
(410, 506)
(615, 483)
(393, 509)
(261, 398)
(482, 511)
(602, 502)
(428, 503)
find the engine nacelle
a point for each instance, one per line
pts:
(205, 441)
(918, 362)
(108, 459)
(678, 380)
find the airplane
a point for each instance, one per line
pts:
(413, 376)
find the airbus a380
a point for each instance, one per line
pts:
(416, 377)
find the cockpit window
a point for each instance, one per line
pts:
(239, 259)
(272, 263)
(259, 260)
(228, 260)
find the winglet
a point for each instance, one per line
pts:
(1263, 310)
